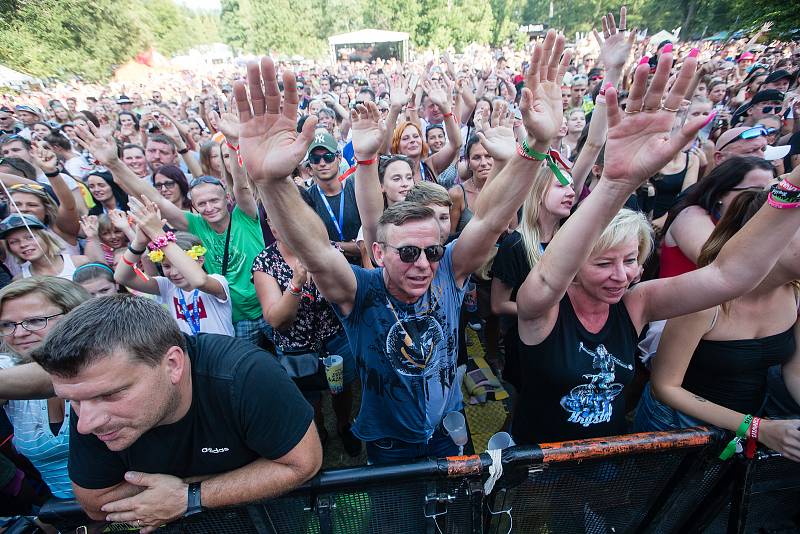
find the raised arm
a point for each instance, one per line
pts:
(23, 382)
(69, 211)
(441, 95)
(125, 274)
(742, 263)
(615, 48)
(367, 135)
(170, 128)
(271, 149)
(502, 197)
(148, 219)
(93, 248)
(398, 98)
(105, 150)
(638, 146)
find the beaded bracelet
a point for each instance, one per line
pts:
(161, 241)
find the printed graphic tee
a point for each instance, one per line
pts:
(405, 355)
(244, 407)
(573, 381)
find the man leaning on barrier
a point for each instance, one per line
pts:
(156, 412)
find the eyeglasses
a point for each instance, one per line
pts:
(410, 253)
(165, 185)
(34, 324)
(329, 157)
(751, 133)
(772, 109)
(204, 180)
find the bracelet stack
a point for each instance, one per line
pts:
(293, 290)
(156, 255)
(528, 153)
(743, 432)
(784, 195)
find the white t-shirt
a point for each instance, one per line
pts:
(78, 167)
(215, 314)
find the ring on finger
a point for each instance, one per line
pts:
(649, 110)
(671, 110)
(631, 111)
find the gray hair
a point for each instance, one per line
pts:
(401, 213)
(139, 326)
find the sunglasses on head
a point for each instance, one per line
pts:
(329, 157)
(410, 253)
(204, 180)
(751, 133)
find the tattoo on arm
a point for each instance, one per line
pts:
(699, 398)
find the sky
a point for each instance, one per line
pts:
(199, 4)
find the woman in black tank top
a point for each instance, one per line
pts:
(711, 366)
(579, 317)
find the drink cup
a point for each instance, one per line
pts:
(501, 440)
(334, 372)
(456, 427)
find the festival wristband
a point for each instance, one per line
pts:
(448, 114)
(528, 153)
(128, 262)
(367, 161)
(141, 274)
(294, 290)
(232, 147)
(136, 252)
(52, 174)
(735, 443)
(184, 150)
(752, 438)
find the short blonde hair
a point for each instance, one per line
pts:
(625, 225)
(427, 193)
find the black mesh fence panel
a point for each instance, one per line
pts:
(772, 498)
(227, 521)
(592, 496)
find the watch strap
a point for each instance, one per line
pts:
(194, 502)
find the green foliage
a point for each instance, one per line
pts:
(88, 38)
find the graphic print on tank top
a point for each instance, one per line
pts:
(413, 338)
(592, 403)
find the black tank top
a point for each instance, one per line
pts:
(572, 381)
(668, 187)
(734, 373)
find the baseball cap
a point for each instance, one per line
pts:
(776, 152)
(6, 109)
(745, 56)
(124, 100)
(323, 139)
(18, 220)
(25, 107)
(767, 95)
(779, 74)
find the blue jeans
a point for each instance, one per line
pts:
(653, 416)
(388, 450)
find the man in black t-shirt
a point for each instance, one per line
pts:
(333, 200)
(165, 424)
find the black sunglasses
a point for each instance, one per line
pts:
(772, 109)
(329, 157)
(410, 253)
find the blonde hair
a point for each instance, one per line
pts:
(64, 294)
(625, 225)
(427, 193)
(50, 207)
(52, 245)
(529, 228)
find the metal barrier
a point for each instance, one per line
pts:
(652, 482)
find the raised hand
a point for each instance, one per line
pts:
(540, 105)
(368, 130)
(398, 92)
(227, 123)
(438, 93)
(90, 226)
(45, 159)
(148, 218)
(615, 46)
(639, 144)
(497, 136)
(270, 145)
(119, 219)
(102, 147)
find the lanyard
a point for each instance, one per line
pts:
(330, 211)
(192, 317)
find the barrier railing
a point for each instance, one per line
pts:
(652, 482)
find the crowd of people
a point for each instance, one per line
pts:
(174, 272)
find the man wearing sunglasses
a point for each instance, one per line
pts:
(742, 141)
(402, 318)
(333, 200)
(764, 103)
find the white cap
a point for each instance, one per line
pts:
(776, 152)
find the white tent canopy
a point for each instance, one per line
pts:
(10, 77)
(369, 37)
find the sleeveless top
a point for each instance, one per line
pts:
(667, 189)
(733, 373)
(466, 213)
(572, 382)
(66, 272)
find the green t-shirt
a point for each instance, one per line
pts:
(246, 243)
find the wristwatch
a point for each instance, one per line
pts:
(194, 503)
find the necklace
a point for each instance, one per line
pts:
(408, 342)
